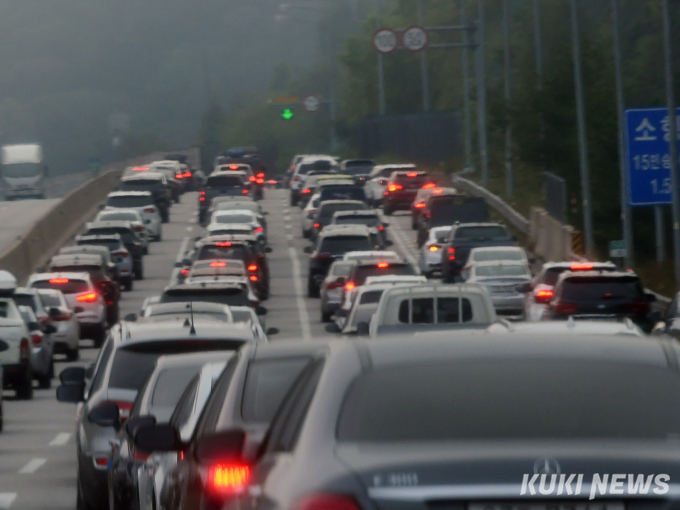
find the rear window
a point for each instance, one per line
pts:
(327, 210)
(342, 244)
(25, 300)
(116, 216)
(49, 300)
(141, 185)
(341, 269)
(241, 316)
(125, 202)
(267, 383)
(363, 272)
(170, 385)
(482, 233)
(236, 296)
(462, 209)
(322, 164)
(95, 272)
(421, 311)
(131, 369)
(417, 181)
(369, 221)
(370, 297)
(70, 286)
(127, 235)
(233, 218)
(211, 251)
(485, 256)
(343, 193)
(598, 288)
(224, 181)
(502, 270)
(112, 244)
(511, 399)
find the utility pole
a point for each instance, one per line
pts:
(582, 140)
(509, 180)
(626, 222)
(466, 85)
(423, 65)
(538, 49)
(381, 73)
(481, 97)
(672, 136)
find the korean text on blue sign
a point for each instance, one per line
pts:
(648, 156)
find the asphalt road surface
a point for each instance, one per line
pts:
(37, 449)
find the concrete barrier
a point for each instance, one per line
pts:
(39, 243)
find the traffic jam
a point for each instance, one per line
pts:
(440, 364)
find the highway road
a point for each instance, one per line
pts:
(38, 468)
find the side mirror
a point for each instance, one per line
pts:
(654, 317)
(220, 447)
(308, 249)
(137, 422)
(332, 328)
(157, 438)
(260, 310)
(197, 238)
(362, 329)
(265, 213)
(49, 329)
(272, 331)
(389, 242)
(105, 415)
(72, 375)
(131, 317)
(524, 288)
(54, 312)
(72, 393)
(89, 373)
(186, 262)
(268, 249)
(659, 328)
(386, 223)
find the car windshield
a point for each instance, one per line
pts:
(502, 270)
(381, 269)
(343, 193)
(601, 288)
(482, 233)
(224, 181)
(339, 245)
(327, 210)
(491, 255)
(65, 285)
(511, 399)
(127, 201)
(370, 221)
(213, 251)
(234, 218)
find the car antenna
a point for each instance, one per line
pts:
(192, 331)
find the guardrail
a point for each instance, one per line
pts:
(39, 243)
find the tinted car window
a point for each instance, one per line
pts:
(101, 368)
(236, 296)
(118, 216)
(234, 218)
(448, 310)
(363, 272)
(480, 233)
(130, 369)
(512, 399)
(327, 210)
(170, 384)
(212, 251)
(70, 286)
(25, 300)
(141, 185)
(95, 272)
(112, 244)
(463, 209)
(342, 244)
(598, 288)
(416, 181)
(502, 270)
(369, 297)
(267, 383)
(127, 235)
(224, 181)
(370, 221)
(125, 202)
(342, 193)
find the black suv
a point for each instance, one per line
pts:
(326, 210)
(129, 237)
(601, 294)
(446, 208)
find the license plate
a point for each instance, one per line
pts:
(548, 505)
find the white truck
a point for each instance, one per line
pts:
(430, 307)
(23, 171)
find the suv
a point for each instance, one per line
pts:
(360, 169)
(129, 237)
(371, 218)
(377, 180)
(120, 256)
(156, 184)
(401, 189)
(124, 363)
(601, 294)
(141, 201)
(331, 246)
(232, 293)
(302, 169)
(326, 210)
(446, 208)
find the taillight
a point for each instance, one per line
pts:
(252, 178)
(543, 296)
(229, 478)
(252, 267)
(419, 205)
(179, 176)
(218, 264)
(412, 174)
(253, 278)
(566, 307)
(36, 339)
(258, 229)
(429, 185)
(185, 272)
(317, 225)
(350, 286)
(320, 256)
(120, 253)
(437, 191)
(260, 181)
(139, 228)
(101, 461)
(306, 190)
(150, 210)
(223, 244)
(90, 297)
(395, 187)
(326, 502)
(186, 174)
(59, 280)
(139, 455)
(233, 167)
(452, 253)
(581, 267)
(383, 265)
(380, 227)
(638, 308)
(260, 175)
(24, 349)
(244, 192)
(433, 247)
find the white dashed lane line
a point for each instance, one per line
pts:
(32, 466)
(61, 439)
(7, 498)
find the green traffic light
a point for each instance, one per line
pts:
(287, 114)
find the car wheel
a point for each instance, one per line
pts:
(127, 284)
(81, 504)
(45, 381)
(139, 272)
(325, 316)
(306, 234)
(159, 237)
(414, 223)
(72, 354)
(312, 288)
(25, 389)
(293, 201)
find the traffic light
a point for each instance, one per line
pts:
(287, 114)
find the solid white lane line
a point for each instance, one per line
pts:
(299, 295)
(7, 498)
(32, 466)
(61, 439)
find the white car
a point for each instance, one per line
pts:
(390, 279)
(200, 309)
(223, 229)
(82, 297)
(241, 280)
(42, 366)
(494, 253)
(67, 336)
(238, 216)
(501, 279)
(15, 346)
(308, 215)
(306, 165)
(377, 180)
(141, 201)
(430, 257)
(148, 227)
(571, 326)
(257, 322)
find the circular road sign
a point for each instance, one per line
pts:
(385, 40)
(311, 103)
(415, 39)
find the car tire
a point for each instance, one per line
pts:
(325, 316)
(72, 354)
(127, 284)
(293, 201)
(139, 272)
(312, 288)
(146, 250)
(25, 390)
(414, 223)
(45, 381)
(159, 237)
(306, 234)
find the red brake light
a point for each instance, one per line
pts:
(233, 167)
(383, 265)
(306, 190)
(90, 297)
(252, 178)
(581, 267)
(260, 181)
(218, 264)
(222, 244)
(350, 286)
(179, 176)
(150, 209)
(59, 280)
(202, 193)
(258, 229)
(139, 228)
(36, 338)
(411, 174)
(185, 272)
(260, 175)
(24, 349)
(566, 307)
(395, 187)
(101, 461)
(186, 174)
(543, 296)
(317, 225)
(452, 253)
(244, 192)
(201, 199)
(429, 185)
(420, 205)
(253, 278)
(326, 502)
(140, 168)
(437, 191)
(229, 477)
(252, 267)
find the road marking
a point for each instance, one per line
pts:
(61, 439)
(7, 498)
(299, 295)
(32, 466)
(286, 217)
(289, 237)
(402, 247)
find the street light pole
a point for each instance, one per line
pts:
(538, 48)
(509, 180)
(582, 140)
(672, 136)
(381, 72)
(466, 85)
(423, 65)
(481, 97)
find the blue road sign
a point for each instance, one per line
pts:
(648, 156)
